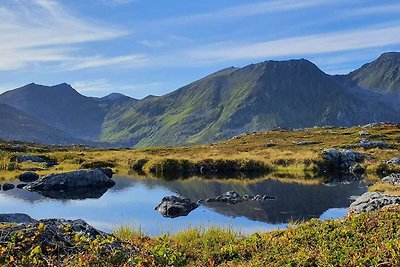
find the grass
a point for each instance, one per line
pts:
(368, 239)
(274, 153)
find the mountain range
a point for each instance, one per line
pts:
(262, 96)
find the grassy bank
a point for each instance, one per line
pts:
(280, 153)
(368, 239)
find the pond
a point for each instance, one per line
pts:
(131, 202)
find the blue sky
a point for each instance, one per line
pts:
(142, 47)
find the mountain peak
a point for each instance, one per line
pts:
(390, 56)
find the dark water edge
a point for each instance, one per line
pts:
(131, 202)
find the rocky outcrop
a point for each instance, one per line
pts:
(16, 218)
(57, 234)
(232, 197)
(373, 201)
(28, 177)
(393, 179)
(25, 158)
(173, 206)
(368, 144)
(341, 161)
(393, 161)
(71, 180)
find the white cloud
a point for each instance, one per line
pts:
(42, 31)
(304, 45)
(100, 61)
(253, 9)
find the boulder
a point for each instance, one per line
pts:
(28, 177)
(20, 186)
(107, 171)
(393, 161)
(16, 218)
(173, 206)
(7, 186)
(231, 197)
(71, 180)
(368, 144)
(341, 160)
(393, 179)
(25, 158)
(373, 201)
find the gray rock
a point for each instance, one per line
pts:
(393, 161)
(341, 160)
(7, 186)
(231, 197)
(25, 158)
(71, 180)
(107, 171)
(16, 218)
(373, 201)
(173, 206)
(363, 133)
(393, 179)
(368, 144)
(306, 143)
(20, 186)
(28, 177)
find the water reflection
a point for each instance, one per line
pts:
(131, 202)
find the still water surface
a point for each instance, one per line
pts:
(131, 202)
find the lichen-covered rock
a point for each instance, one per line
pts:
(28, 177)
(173, 206)
(71, 180)
(373, 201)
(368, 144)
(393, 161)
(16, 218)
(341, 160)
(393, 179)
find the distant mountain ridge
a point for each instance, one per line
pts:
(262, 96)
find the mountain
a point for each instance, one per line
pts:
(257, 97)
(263, 96)
(17, 125)
(381, 76)
(63, 108)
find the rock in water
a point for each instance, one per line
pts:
(107, 171)
(393, 179)
(373, 201)
(7, 187)
(28, 177)
(173, 206)
(71, 180)
(16, 218)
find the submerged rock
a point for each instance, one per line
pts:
(173, 206)
(71, 180)
(393, 179)
(16, 218)
(373, 201)
(28, 177)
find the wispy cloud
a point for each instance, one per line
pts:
(43, 31)
(304, 45)
(252, 9)
(100, 61)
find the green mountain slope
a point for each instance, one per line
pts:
(381, 76)
(262, 96)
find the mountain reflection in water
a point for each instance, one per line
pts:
(132, 200)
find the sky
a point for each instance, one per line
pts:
(152, 47)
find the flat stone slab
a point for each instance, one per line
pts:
(371, 201)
